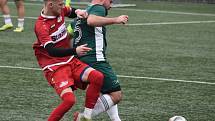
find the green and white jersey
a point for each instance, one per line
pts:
(95, 37)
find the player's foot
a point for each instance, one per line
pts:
(6, 26)
(80, 117)
(77, 116)
(19, 29)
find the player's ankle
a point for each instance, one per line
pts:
(87, 113)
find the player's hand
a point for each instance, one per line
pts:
(82, 50)
(81, 13)
(123, 19)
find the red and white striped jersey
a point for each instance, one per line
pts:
(51, 29)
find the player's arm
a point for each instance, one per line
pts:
(43, 36)
(94, 20)
(59, 52)
(62, 52)
(70, 12)
(73, 12)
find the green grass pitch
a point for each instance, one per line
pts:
(170, 67)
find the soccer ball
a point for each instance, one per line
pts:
(177, 118)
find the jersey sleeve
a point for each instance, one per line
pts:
(97, 10)
(42, 33)
(67, 10)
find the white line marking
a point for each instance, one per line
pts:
(168, 12)
(143, 10)
(164, 79)
(29, 17)
(82, 3)
(24, 68)
(123, 76)
(41, 4)
(147, 24)
(169, 23)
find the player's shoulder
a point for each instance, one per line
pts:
(98, 6)
(40, 20)
(41, 24)
(96, 9)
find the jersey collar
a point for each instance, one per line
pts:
(45, 16)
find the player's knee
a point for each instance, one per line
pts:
(97, 79)
(100, 78)
(116, 96)
(69, 99)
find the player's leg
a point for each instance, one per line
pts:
(111, 93)
(95, 79)
(62, 82)
(21, 13)
(6, 15)
(105, 103)
(68, 100)
(113, 111)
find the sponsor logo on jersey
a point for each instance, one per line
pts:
(116, 82)
(60, 34)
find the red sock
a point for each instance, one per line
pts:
(96, 81)
(68, 102)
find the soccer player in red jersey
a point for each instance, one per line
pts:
(56, 58)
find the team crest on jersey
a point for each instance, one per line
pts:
(52, 26)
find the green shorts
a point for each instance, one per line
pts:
(111, 83)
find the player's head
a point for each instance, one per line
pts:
(54, 6)
(107, 3)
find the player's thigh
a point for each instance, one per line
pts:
(61, 78)
(111, 83)
(80, 71)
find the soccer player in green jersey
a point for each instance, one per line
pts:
(92, 31)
